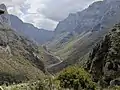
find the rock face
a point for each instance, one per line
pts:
(4, 17)
(104, 60)
(97, 16)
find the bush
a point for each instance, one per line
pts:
(76, 78)
(115, 88)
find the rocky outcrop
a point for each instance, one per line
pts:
(104, 60)
(4, 17)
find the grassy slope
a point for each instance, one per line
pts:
(17, 61)
(67, 48)
(47, 57)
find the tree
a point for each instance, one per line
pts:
(76, 78)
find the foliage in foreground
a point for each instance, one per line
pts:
(47, 83)
(72, 78)
(76, 78)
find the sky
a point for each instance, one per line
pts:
(45, 14)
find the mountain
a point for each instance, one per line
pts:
(19, 60)
(89, 26)
(104, 59)
(28, 30)
(99, 14)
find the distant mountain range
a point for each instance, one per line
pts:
(97, 16)
(30, 31)
(100, 15)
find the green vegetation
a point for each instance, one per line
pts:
(47, 57)
(42, 84)
(76, 78)
(115, 88)
(66, 49)
(71, 78)
(18, 60)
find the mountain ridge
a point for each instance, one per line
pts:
(40, 35)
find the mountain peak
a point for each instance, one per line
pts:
(4, 17)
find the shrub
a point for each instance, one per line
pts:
(115, 88)
(76, 78)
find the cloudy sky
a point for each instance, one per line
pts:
(45, 13)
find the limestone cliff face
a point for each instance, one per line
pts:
(104, 60)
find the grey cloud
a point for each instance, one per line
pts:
(59, 9)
